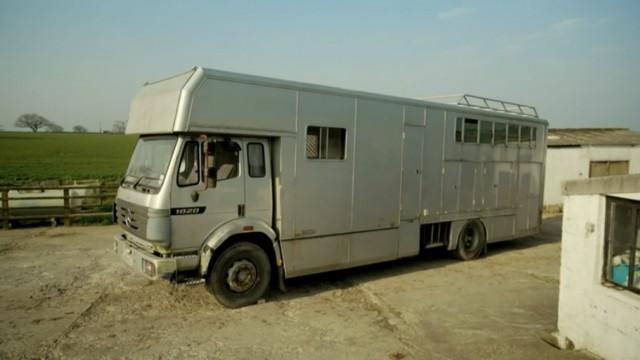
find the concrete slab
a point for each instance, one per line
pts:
(64, 294)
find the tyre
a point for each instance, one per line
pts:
(240, 276)
(471, 241)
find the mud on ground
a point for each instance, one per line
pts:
(65, 295)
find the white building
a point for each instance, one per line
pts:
(586, 153)
(599, 304)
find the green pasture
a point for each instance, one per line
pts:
(28, 157)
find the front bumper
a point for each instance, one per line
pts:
(152, 266)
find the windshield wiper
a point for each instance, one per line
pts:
(147, 185)
(137, 182)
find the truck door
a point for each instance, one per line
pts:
(257, 169)
(412, 149)
(195, 211)
(411, 172)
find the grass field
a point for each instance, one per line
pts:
(26, 157)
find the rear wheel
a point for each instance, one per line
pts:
(471, 241)
(240, 276)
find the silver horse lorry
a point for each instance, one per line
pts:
(244, 181)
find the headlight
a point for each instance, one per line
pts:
(148, 267)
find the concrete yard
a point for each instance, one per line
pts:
(65, 295)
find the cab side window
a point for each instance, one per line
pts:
(255, 157)
(189, 169)
(226, 160)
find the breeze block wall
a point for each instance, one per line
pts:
(591, 314)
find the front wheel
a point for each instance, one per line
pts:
(240, 275)
(471, 241)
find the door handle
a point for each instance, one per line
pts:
(241, 210)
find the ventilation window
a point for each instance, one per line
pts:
(500, 133)
(486, 132)
(458, 130)
(525, 135)
(513, 134)
(471, 131)
(534, 136)
(326, 143)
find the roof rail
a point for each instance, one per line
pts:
(480, 102)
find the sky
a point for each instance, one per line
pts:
(81, 62)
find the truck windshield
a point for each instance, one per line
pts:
(149, 162)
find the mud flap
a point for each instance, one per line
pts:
(281, 284)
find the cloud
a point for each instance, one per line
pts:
(605, 50)
(604, 20)
(569, 24)
(454, 13)
(458, 51)
(561, 28)
(510, 49)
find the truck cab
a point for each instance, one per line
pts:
(185, 195)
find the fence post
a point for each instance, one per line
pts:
(101, 191)
(67, 208)
(5, 209)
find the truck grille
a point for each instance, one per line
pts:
(132, 218)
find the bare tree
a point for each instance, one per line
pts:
(31, 121)
(119, 127)
(53, 127)
(79, 129)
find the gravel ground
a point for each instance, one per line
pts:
(65, 295)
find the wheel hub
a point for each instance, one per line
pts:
(242, 276)
(470, 239)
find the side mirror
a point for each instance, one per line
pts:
(212, 177)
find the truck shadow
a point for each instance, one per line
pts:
(551, 233)
(434, 258)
